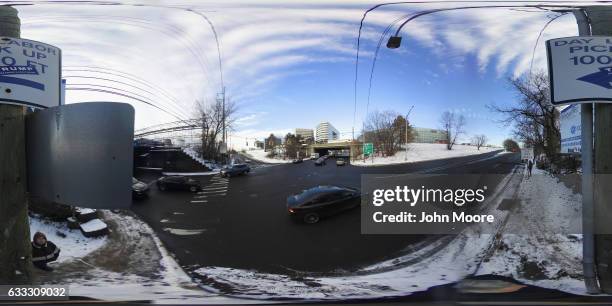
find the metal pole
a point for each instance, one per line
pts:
(406, 141)
(586, 123)
(223, 112)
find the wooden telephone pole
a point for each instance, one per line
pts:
(15, 249)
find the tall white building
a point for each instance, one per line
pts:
(326, 132)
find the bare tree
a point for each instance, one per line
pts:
(293, 145)
(533, 117)
(479, 140)
(211, 116)
(387, 131)
(453, 125)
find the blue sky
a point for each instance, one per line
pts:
(292, 64)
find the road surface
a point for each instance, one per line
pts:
(242, 222)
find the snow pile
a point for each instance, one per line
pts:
(261, 156)
(133, 265)
(93, 225)
(422, 152)
(70, 241)
(435, 262)
(531, 242)
(540, 245)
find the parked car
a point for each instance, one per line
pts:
(177, 182)
(248, 161)
(322, 201)
(320, 161)
(297, 161)
(140, 190)
(340, 162)
(235, 169)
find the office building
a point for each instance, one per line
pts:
(326, 132)
(426, 135)
(304, 133)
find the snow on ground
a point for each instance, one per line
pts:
(541, 245)
(260, 155)
(422, 152)
(534, 242)
(132, 265)
(439, 262)
(73, 246)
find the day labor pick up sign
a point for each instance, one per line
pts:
(30, 73)
(580, 69)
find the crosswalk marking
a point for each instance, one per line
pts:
(212, 191)
(215, 187)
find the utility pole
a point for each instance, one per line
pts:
(406, 137)
(586, 122)
(15, 249)
(223, 112)
(601, 24)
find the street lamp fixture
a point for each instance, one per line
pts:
(394, 42)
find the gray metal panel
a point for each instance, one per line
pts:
(82, 154)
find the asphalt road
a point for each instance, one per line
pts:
(242, 222)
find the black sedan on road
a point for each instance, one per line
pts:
(176, 182)
(322, 201)
(320, 161)
(235, 169)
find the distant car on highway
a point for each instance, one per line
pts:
(321, 201)
(177, 182)
(297, 161)
(340, 162)
(320, 161)
(235, 169)
(140, 190)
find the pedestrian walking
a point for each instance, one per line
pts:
(529, 167)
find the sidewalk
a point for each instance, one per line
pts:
(130, 265)
(541, 244)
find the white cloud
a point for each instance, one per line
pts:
(264, 42)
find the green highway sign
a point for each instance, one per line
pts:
(368, 148)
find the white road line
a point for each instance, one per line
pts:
(199, 201)
(216, 191)
(199, 197)
(214, 188)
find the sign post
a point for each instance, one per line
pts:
(580, 71)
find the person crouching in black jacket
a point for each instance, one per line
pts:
(43, 251)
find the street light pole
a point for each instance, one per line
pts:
(406, 137)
